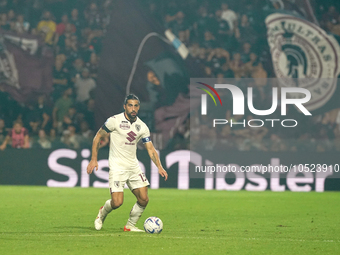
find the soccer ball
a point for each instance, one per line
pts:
(153, 225)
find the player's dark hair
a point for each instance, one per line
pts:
(131, 96)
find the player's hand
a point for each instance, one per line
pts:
(92, 165)
(163, 173)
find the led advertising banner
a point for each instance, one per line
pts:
(252, 171)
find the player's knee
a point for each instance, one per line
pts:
(116, 203)
(143, 201)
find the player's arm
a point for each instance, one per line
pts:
(154, 157)
(95, 147)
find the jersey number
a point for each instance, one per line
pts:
(142, 176)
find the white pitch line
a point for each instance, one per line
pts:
(185, 237)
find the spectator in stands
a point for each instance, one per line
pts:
(4, 24)
(260, 76)
(236, 65)
(94, 40)
(48, 27)
(92, 65)
(276, 143)
(61, 108)
(60, 79)
(3, 4)
(180, 25)
(45, 112)
(171, 11)
(209, 140)
(221, 28)
(251, 65)
(93, 16)
(203, 23)
(245, 32)
(217, 58)
(208, 72)
(181, 139)
(76, 21)
(3, 131)
(229, 16)
(77, 68)
(331, 15)
(84, 85)
(71, 138)
(86, 133)
(89, 113)
(227, 72)
(55, 140)
(245, 54)
(209, 41)
(80, 40)
(43, 142)
(71, 118)
(194, 49)
(21, 26)
(67, 33)
(33, 121)
(11, 16)
(256, 136)
(202, 57)
(18, 136)
(71, 51)
(62, 25)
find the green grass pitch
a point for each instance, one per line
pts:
(41, 220)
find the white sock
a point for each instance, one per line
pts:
(107, 208)
(135, 214)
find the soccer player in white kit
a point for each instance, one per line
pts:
(125, 130)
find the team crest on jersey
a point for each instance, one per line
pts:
(138, 127)
(124, 126)
(116, 183)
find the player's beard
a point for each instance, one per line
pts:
(131, 118)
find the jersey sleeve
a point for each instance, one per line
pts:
(109, 124)
(146, 135)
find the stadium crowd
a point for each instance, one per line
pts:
(74, 30)
(224, 36)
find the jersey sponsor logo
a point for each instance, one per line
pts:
(137, 127)
(124, 126)
(131, 136)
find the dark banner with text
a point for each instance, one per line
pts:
(250, 171)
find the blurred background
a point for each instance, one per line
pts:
(65, 66)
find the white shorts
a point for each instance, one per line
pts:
(133, 178)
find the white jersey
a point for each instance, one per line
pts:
(124, 137)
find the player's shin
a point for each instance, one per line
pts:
(107, 208)
(136, 212)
